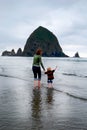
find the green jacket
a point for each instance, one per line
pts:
(37, 61)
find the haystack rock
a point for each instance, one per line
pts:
(43, 38)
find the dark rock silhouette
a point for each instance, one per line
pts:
(76, 54)
(9, 53)
(40, 38)
(13, 52)
(6, 53)
(19, 52)
(43, 38)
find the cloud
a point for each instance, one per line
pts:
(67, 19)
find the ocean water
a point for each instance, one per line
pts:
(71, 76)
(63, 108)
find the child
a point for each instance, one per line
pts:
(50, 76)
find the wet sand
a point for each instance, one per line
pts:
(22, 108)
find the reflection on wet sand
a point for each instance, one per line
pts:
(39, 115)
(49, 95)
(36, 109)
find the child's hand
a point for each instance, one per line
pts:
(44, 71)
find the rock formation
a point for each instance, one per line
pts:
(43, 38)
(19, 52)
(40, 38)
(8, 53)
(12, 53)
(76, 54)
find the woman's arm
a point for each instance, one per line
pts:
(42, 64)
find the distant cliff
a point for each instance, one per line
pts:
(12, 52)
(8, 53)
(39, 38)
(43, 38)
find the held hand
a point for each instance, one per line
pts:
(44, 70)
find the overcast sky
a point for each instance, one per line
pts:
(67, 19)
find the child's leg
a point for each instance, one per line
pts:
(50, 84)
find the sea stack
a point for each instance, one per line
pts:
(76, 55)
(44, 39)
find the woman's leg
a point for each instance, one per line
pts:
(39, 77)
(39, 84)
(35, 83)
(35, 76)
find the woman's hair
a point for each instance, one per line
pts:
(39, 51)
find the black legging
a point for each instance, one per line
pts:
(36, 72)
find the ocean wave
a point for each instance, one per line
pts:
(71, 95)
(69, 74)
(10, 76)
(67, 93)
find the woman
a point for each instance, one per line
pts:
(37, 61)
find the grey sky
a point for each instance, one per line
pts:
(67, 19)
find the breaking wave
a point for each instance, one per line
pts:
(70, 74)
(10, 76)
(68, 93)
